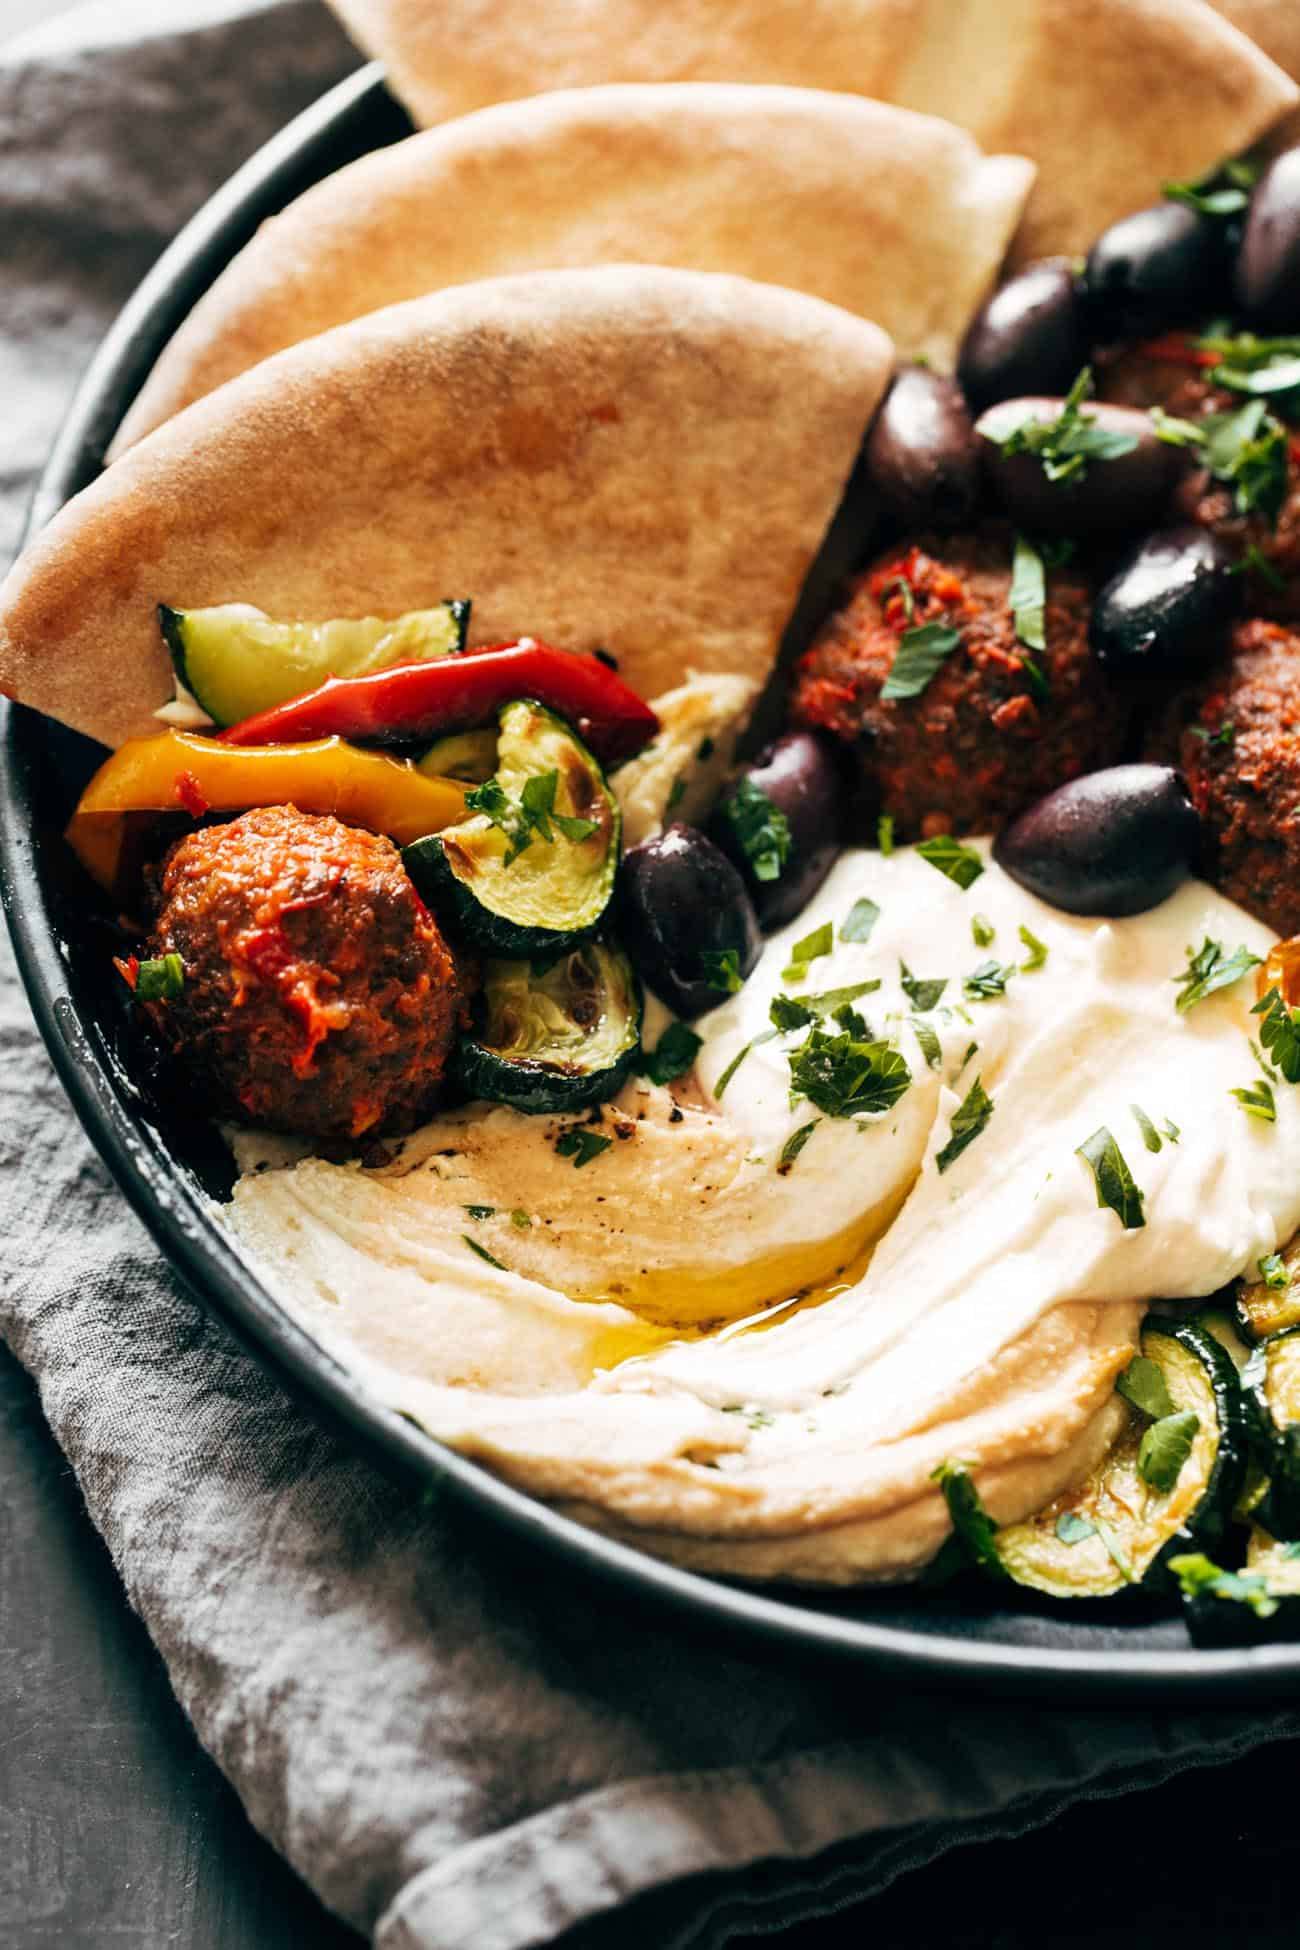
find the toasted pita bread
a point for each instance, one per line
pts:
(629, 457)
(1108, 97)
(896, 216)
(1274, 26)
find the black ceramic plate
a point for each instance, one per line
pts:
(166, 1161)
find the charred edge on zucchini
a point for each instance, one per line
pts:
(556, 1038)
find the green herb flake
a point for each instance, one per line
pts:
(885, 833)
(762, 830)
(1280, 1033)
(928, 1040)
(1037, 951)
(1246, 449)
(845, 1077)
(970, 1520)
(1199, 1577)
(1171, 1130)
(921, 655)
(968, 1120)
(1165, 1447)
(1223, 737)
(521, 1220)
(1113, 1179)
(988, 981)
(1143, 1383)
(480, 1211)
(766, 1036)
(1114, 1552)
(757, 1418)
(1067, 445)
(160, 980)
(483, 1253)
(860, 920)
(1071, 1528)
(1273, 1272)
(1028, 595)
(1211, 968)
(810, 949)
(581, 1145)
(959, 863)
(677, 794)
(794, 1145)
(721, 967)
(1257, 1100)
(1150, 1135)
(1221, 191)
(982, 931)
(673, 1055)
(830, 1001)
(921, 994)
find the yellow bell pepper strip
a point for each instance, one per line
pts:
(182, 771)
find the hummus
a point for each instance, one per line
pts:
(750, 1356)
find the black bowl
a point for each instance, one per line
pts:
(169, 1164)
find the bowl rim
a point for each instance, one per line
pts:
(176, 1214)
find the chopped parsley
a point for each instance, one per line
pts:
(762, 830)
(960, 863)
(970, 1520)
(1028, 600)
(1143, 1384)
(1037, 951)
(921, 654)
(795, 1143)
(160, 980)
(1150, 1135)
(483, 1253)
(765, 1036)
(812, 947)
(1065, 446)
(788, 1012)
(582, 1146)
(885, 833)
(1209, 969)
(1113, 1179)
(1071, 1528)
(1259, 367)
(673, 1055)
(520, 1219)
(922, 995)
(1223, 736)
(796, 1012)
(1199, 1577)
(860, 920)
(721, 968)
(533, 816)
(1257, 1100)
(1273, 1272)
(982, 930)
(1165, 1447)
(928, 1040)
(480, 1211)
(844, 1076)
(1221, 191)
(968, 1120)
(1280, 1034)
(1246, 449)
(677, 794)
(988, 981)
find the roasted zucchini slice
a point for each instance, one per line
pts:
(1115, 1528)
(468, 755)
(1278, 1563)
(554, 1038)
(1269, 1307)
(236, 661)
(531, 871)
(1272, 1381)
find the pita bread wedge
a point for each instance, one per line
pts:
(896, 216)
(629, 457)
(1108, 97)
(1274, 26)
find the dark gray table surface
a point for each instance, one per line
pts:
(115, 1829)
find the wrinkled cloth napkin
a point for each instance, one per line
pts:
(452, 1745)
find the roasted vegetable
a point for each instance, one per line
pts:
(555, 1037)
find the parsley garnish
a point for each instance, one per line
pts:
(1037, 951)
(844, 1076)
(968, 1120)
(921, 995)
(810, 949)
(921, 654)
(160, 980)
(1257, 1100)
(987, 981)
(970, 1520)
(483, 1253)
(1223, 736)
(1113, 1179)
(1028, 598)
(1273, 1272)
(531, 818)
(762, 830)
(788, 1012)
(982, 930)
(1221, 191)
(1144, 1384)
(582, 1146)
(795, 1143)
(677, 794)
(1150, 1135)
(796, 1012)
(1199, 1577)
(672, 1055)
(1071, 1528)
(721, 968)
(1165, 1447)
(929, 1041)
(764, 1036)
(1209, 969)
(520, 1219)
(860, 920)
(885, 833)
(1280, 1034)
(480, 1211)
(960, 863)
(1246, 449)
(1171, 1130)
(1066, 445)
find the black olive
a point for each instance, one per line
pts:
(1028, 337)
(922, 456)
(1166, 611)
(1115, 842)
(686, 920)
(1126, 491)
(1162, 266)
(1268, 265)
(802, 778)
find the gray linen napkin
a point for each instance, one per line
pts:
(451, 1744)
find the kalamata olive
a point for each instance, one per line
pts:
(801, 779)
(686, 920)
(1268, 264)
(1161, 266)
(1114, 842)
(1166, 611)
(1128, 490)
(922, 456)
(1027, 338)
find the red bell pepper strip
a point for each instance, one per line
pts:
(422, 700)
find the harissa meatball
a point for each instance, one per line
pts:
(319, 996)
